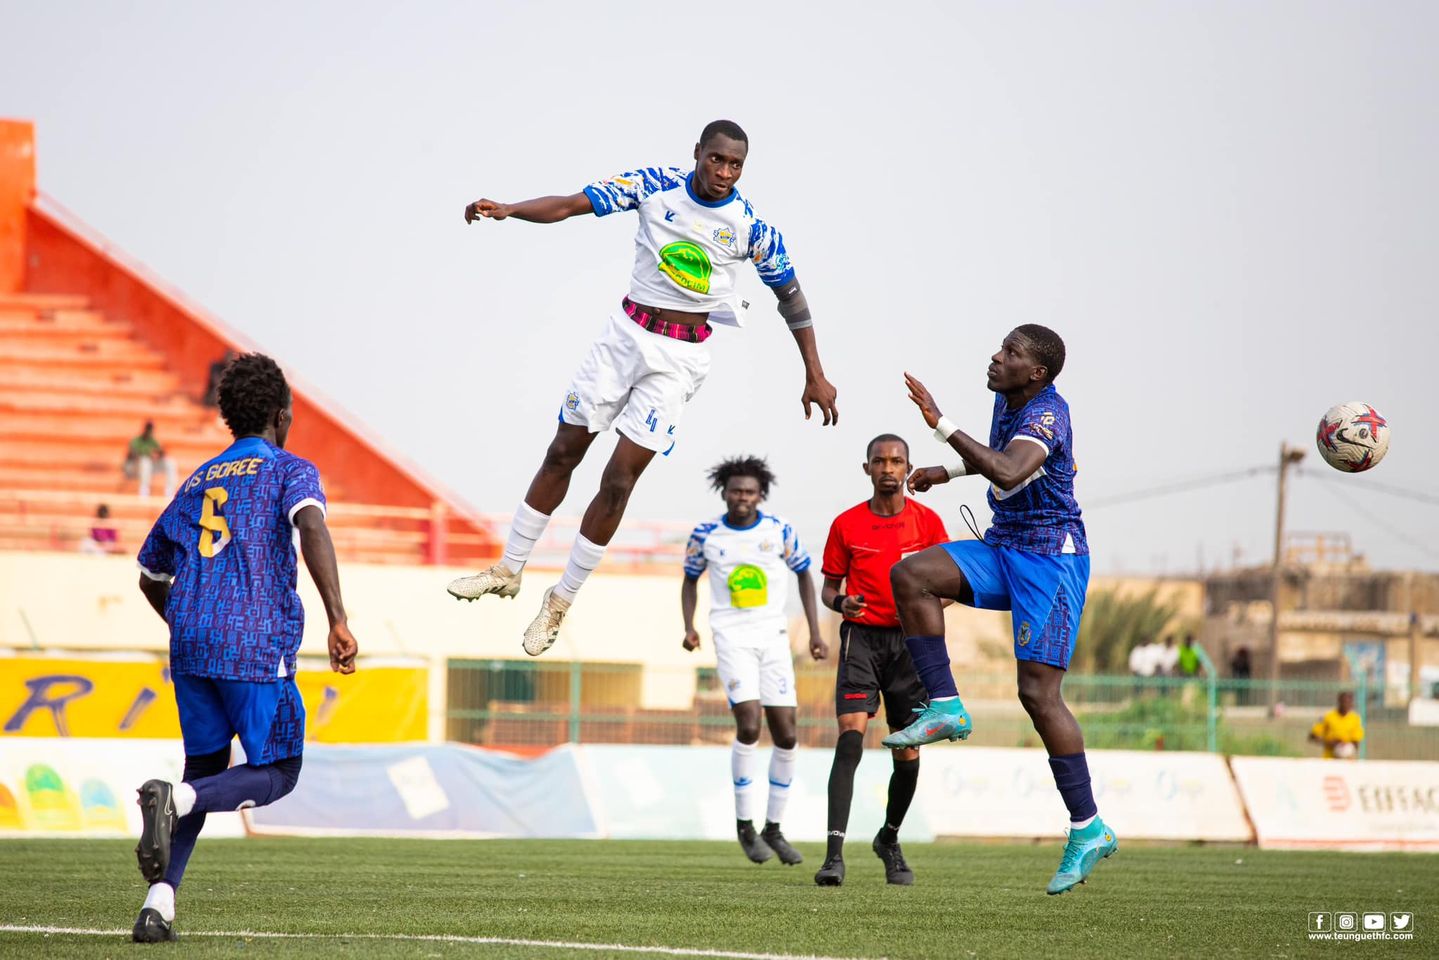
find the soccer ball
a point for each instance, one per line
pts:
(1345, 751)
(1352, 437)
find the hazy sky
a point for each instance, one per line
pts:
(1227, 209)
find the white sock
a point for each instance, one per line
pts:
(184, 803)
(741, 764)
(526, 529)
(584, 557)
(941, 699)
(1081, 824)
(162, 898)
(781, 775)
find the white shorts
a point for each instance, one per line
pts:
(636, 381)
(763, 673)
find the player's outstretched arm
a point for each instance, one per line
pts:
(817, 647)
(817, 388)
(538, 210)
(689, 599)
(319, 551)
(1005, 468)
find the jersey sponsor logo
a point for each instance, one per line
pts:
(748, 587)
(724, 236)
(687, 265)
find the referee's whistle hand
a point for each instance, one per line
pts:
(853, 606)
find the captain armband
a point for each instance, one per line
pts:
(958, 470)
(794, 308)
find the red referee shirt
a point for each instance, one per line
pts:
(863, 545)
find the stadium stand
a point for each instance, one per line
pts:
(92, 346)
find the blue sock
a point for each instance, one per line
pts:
(931, 662)
(1071, 776)
(187, 830)
(246, 786)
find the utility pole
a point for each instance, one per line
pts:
(1288, 456)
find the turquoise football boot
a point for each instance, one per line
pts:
(1082, 851)
(944, 720)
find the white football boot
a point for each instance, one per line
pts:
(544, 630)
(497, 579)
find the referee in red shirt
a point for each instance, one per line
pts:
(864, 543)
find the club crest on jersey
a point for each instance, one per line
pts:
(724, 236)
(766, 546)
(572, 402)
(1024, 633)
(687, 265)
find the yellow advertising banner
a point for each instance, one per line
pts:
(133, 698)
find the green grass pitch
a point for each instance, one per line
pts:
(375, 897)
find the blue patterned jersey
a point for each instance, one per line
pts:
(687, 250)
(227, 544)
(1039, 514)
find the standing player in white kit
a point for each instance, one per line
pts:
(749, 555)
(694, 231)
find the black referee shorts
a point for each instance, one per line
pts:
(875, 661)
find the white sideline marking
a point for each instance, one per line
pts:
(439, 938)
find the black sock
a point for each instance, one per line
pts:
(841, 787)
(901, 792)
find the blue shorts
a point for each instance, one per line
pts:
(268, 717)
(1044, 592)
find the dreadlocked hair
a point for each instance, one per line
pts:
(755, 467)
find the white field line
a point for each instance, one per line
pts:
(437, 938)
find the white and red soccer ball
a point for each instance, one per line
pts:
(1352, 437)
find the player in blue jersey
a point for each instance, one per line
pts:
(1033, 561)
(694, 233)
(219, 566)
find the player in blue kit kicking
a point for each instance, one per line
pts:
(1033, 561)
(219, 566)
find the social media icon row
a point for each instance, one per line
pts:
(1369, 922)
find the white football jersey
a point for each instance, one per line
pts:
(750, 570)
(687, 250)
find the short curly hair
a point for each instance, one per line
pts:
(1045, 346)
(252, 390)
(755, 467)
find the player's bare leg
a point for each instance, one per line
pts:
(747, 718)
(782, 731)
(547, 491)
(921, 583)
(601, 520)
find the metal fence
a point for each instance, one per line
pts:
(539, 704)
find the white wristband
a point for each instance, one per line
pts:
(944, 430)
(956, 471)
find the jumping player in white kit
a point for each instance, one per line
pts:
(694, 232)
(749, 555)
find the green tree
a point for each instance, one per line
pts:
(1113, 624)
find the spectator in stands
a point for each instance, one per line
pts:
(1188, 657)
(212, 388)
(104, 538)
(144, 457)
(1143, 661)
(1168, 657)
(1341, 731)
